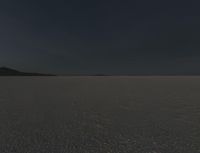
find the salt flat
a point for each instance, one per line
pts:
(100, 114)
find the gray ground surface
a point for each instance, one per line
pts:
(100, 114)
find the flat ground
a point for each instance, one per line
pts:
(99, 114)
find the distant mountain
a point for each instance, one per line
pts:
(4, 71)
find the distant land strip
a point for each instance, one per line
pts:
(5, 71)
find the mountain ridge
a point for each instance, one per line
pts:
(6, 71)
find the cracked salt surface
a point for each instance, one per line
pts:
(99, 114)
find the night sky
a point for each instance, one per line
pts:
(101, 37)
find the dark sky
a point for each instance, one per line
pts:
(104, 36)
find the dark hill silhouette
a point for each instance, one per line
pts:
(5, 71)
